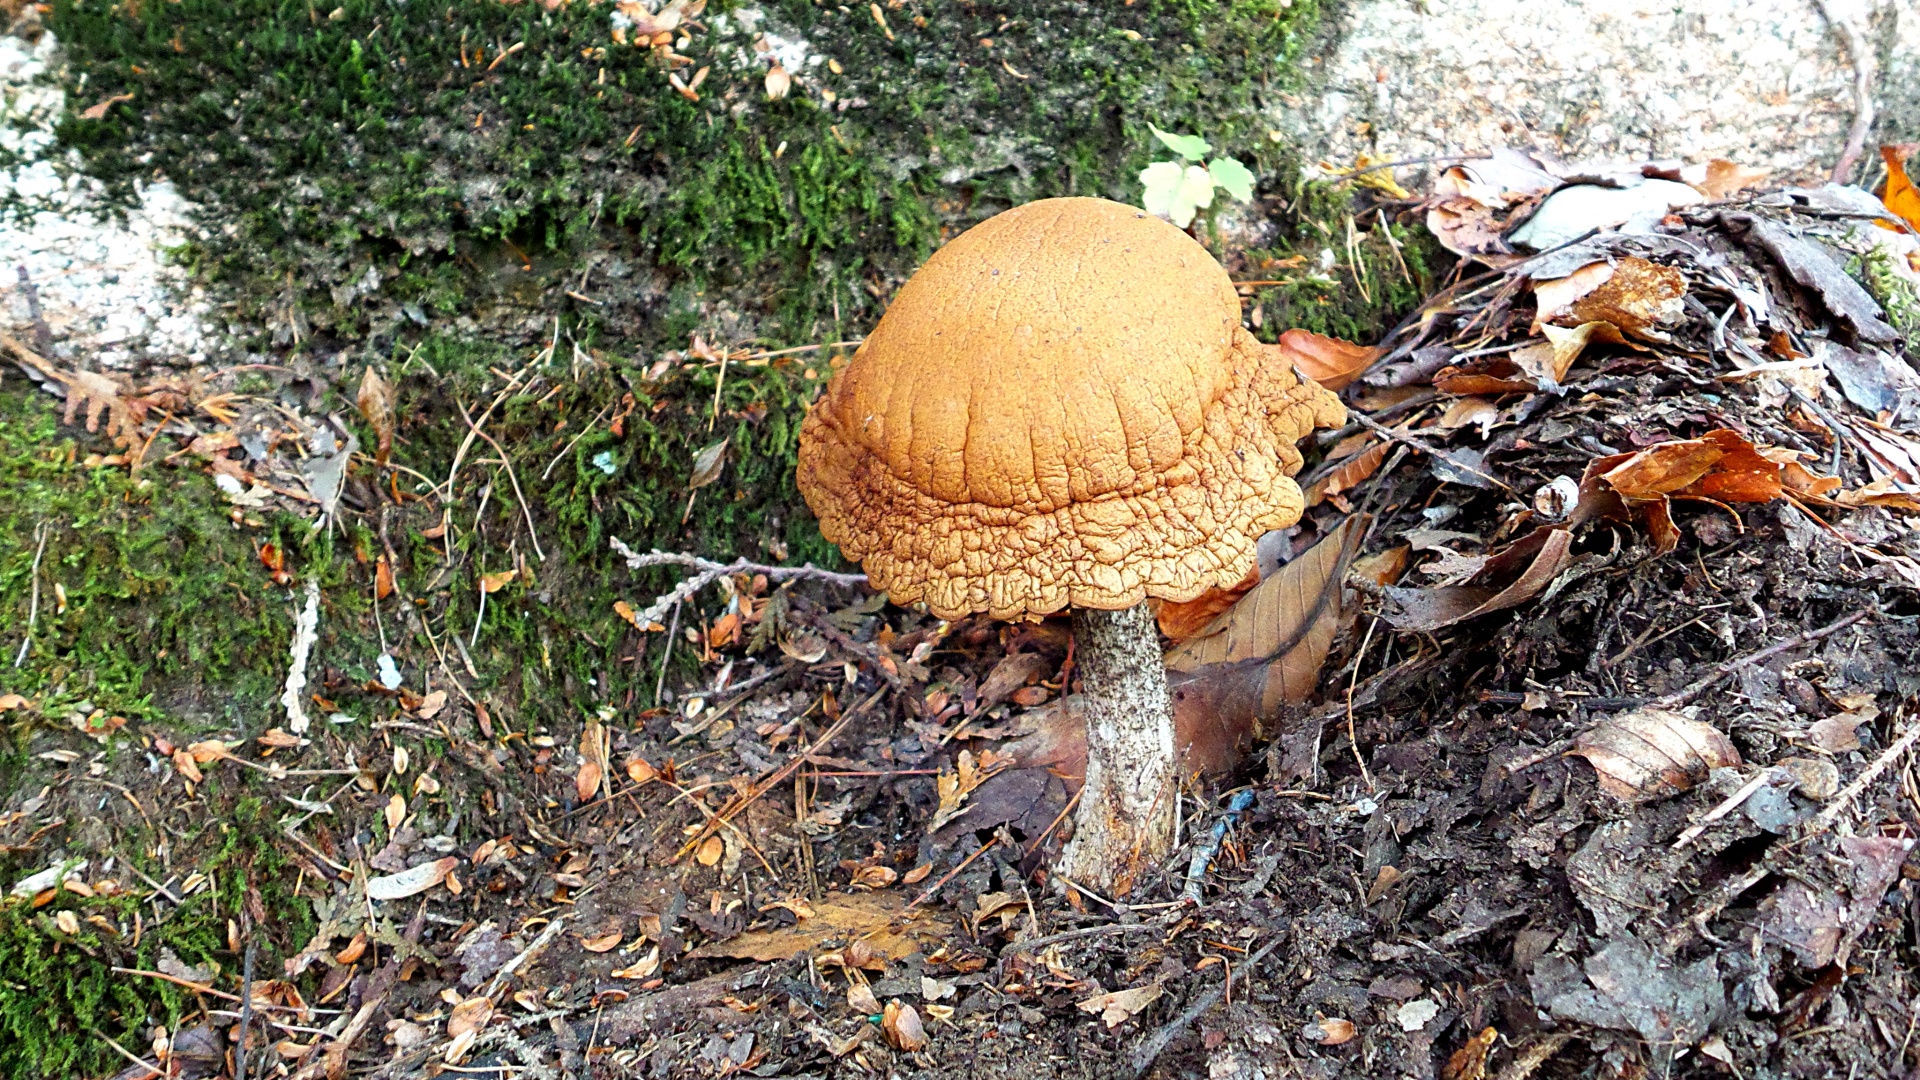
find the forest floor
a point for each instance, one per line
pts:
(341, 713)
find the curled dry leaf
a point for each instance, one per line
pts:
(183, 763)
(494, 582)
(1719, 467)
(1262, 653)
(1348, 474)
(640, 771)
(410, 882)
(1651, 754)
(396, 811)
(874, 877)
(431, 705)
(603, 943)
(1516, 574)
(279, 739)
(861, 1000)
(375, 400)
(917, 875)
(1638, 298)
(470, 1016)
(1332, 1031)
(1119, 1006)
(644, 968)
(900, 1023)
(1470, 1061)
(1900, 195)
(1553, 297)
(1328, 361)
(710, 851)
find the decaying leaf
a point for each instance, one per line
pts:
(640, 771)
(1348, 474)
(471, 1015)
(901, 1024)
(1517, 573)
(708, 463)
(184, 764)
(861, 1000)
(1475, 200)
(1650, 754)
(382, 578)
(1262, 653)
(375, 401)
(1328, 361)
(1815, 268)
(878, 921)
(970, 773)
(1180, 620)
(1900, 196)
(602, 942)
(1119, 1006)
(1470, 1061)
(101, 397)
(1719, 467)
(1639, 297)
(874, 877)
(1553, 297)
(499, 579)
(644, 968)
(1332, 1031)
(410, 882)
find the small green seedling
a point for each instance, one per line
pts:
(1176, 190)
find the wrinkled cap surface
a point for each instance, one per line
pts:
(1060, 409)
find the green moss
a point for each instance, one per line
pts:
(58, 992)
(1897, 296)
(150, 601)
(384, 163)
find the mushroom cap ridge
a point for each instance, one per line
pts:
(1060, 408)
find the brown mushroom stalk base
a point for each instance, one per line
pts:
(1126, 815)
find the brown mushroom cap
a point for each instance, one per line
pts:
(1061, 408)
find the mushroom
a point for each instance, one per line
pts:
(1061, 409)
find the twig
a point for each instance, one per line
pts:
(1444, 455)
(1727, 806)
(1089, 893)
(1069, 935)
(198, 988)
(1353, 739)
(1197, 867)
(128, 1054)
(951, 874)
(532, 533)
(1149, 1050)
(1682, 696)
(779, 776)
(711, 571)
(33, 606)
(1872, 772)
(666, 654)
(1863, 71)
(246, 1013)
(547, 934)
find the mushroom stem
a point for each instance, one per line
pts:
(1126, 815)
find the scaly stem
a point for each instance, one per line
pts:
(1125, 820)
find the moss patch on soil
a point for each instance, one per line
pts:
(380, 165)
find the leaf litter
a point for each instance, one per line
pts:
(1494, 670)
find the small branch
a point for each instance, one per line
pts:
(1149, 1050)
(1857, 50)
(33, 606)
(1681, 697)
(711, 571)
(1872, 772)
(1451, 459)
(547, 934)
(153, 1070)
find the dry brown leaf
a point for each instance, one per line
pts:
(1382, 568)
(879, 921)
(861, 1000)
(1651, 754)
(375, 400)
(382, 578)
(101, 397)
(917, 875)
(431, 705)
(603, 943)
(1328, 361)
(1900, 196)
(710, 851)
(494, 582)
(1334, 1031)
(593, 764)
(954, 787)
(1011, 673)
(412, 881)
(354, 950)
(209, 750)
(1509, 578)
(1262, 653)
(640, 771)
(1553, 297)
(778, 82)
(469, 1016)
(1638, 297)
(279, 740)
(1119, 1006)
(98, 110)
(396, 811)
(874, 877)
(1722, 179)
(1466, 412)
(1719, 467)
(644, 968)
(183, 762)
(1181, 620)
(900, 1022)
(1470, 1061)
(1348, 475)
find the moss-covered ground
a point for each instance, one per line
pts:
(455, 192)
